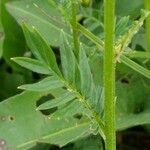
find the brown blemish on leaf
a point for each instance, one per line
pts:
(1, 148)
(2, 144)
(3, 118)
(7, 118)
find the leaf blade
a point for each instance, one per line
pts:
(46, 84)
(67, 60)
(32, 64)
(63, 99)
(46, 130)
(85, 73)
(132, 120)
(46, 12)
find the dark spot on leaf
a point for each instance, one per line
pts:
(125, 81)
(78, 116)
(11, 118)
(45, 99)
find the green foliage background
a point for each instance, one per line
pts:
(22, 126)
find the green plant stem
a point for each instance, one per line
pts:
(147, 6)
(109, 74)
(74, 26)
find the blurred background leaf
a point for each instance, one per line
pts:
(1, 31)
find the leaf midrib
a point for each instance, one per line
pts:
(54, 134)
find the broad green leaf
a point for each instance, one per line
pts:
(133, 120)
(43, 15)
(138, 68)
(32, 64)
(19, 131)
(21, 126)
(47, 84)
(40, 48)
(131, 96)
(63, 99)
(68, 60)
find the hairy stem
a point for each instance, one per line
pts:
(74, 26)
(147, 6)
(109, 74)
